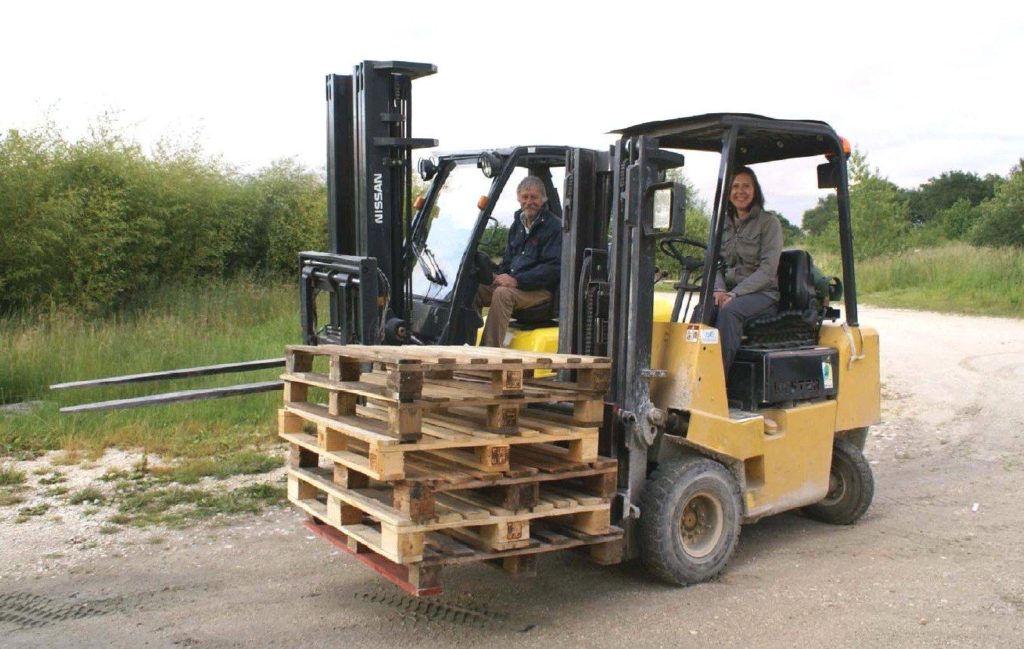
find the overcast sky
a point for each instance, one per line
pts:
(921, 88)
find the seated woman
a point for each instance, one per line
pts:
(751, 246)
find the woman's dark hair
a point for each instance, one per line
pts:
(730, 209)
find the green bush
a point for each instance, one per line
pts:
(97, 224)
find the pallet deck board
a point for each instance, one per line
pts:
(426, 358)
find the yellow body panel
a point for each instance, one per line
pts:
(860, 395)
(797, 458)
(784, 469)
(789, 467)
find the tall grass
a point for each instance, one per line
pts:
(955, 278)
(181, 326)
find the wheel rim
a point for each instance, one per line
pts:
(836, 488)
(701, 525)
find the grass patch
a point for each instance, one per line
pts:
(54, 478)
(178, 506)
(10, 497)
(10, 475)
(35, 510)
(181, 326)
(954, 278)
(56, 491)
(242, 463)
(67, 457)
(90, 495)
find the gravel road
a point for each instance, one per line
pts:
(938, 560)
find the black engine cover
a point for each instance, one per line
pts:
(765, 377)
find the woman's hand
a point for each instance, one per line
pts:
(722, 298)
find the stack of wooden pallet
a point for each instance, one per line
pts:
(415, 458)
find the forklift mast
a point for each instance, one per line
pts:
(369, 180)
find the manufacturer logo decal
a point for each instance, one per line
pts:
(378, 199)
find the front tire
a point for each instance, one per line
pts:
(689, 520)
(850, 487)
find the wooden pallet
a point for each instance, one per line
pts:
(374, 516)
(414, 458)
(424, 578)
(362, 443)
(409, 381)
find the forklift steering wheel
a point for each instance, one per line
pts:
(671, 247)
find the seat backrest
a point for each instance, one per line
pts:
(796, 283)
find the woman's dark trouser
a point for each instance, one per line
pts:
(730, 318)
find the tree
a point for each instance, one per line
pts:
(1001, 219)
(791, 234)
(956, 221)
(818, 218)
(878, 213)
(939, 194)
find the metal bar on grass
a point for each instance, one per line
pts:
(177, 397)
(226, 368)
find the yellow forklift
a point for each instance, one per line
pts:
(696, 456)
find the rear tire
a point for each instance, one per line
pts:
(689, 520)
(850, 487)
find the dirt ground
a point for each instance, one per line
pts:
(936, 561)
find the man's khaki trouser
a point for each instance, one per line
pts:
(503, 301)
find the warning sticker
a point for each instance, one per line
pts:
(691, 335)
(826, 375)
(709, 336)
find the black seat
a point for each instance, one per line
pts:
(801, 308)
(544, 314)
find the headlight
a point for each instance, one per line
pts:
(427, 168)
(490, 164)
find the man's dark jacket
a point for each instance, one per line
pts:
(534, 258)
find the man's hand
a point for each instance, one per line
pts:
(505, 280)
(722, 298)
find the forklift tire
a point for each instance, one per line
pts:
(689, 520)
(850, 487)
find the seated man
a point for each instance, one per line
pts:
(531, 267)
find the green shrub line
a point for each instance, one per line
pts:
(97, 224)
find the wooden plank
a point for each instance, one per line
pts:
(468, 511)
(345, 458)
(368, 387)
(393, 572)
(465, 356)
(448, 546)
(578, 496)
(488, 540)
(492, 458)
(354, 497)
(368, 430)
